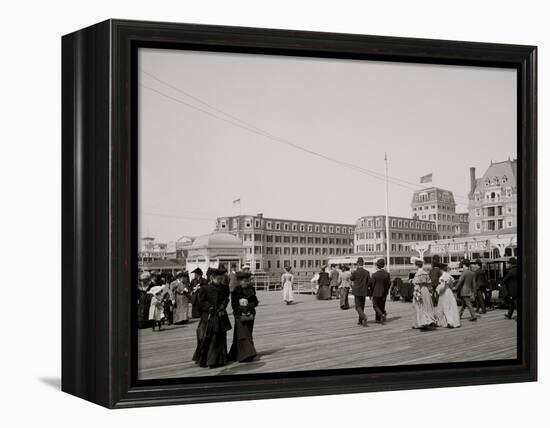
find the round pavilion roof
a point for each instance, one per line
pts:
(217, 240)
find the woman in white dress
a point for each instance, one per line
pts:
(424, 318)
(446, 311)
(286, 280)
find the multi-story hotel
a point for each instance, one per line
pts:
(270, 244)
(370, 237)
(493, 198)
(438, 205)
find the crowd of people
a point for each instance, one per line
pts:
(175, 300)
(434, 299)
(162, 301)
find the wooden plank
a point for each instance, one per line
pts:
(313, 334)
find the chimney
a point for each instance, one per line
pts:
(259, 215)
(472, 180)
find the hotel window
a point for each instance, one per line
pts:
(235, 223)
(509, 192)
(302, 228)
(478, 225)
(317, 229)
(294, 227)
(223, 224)
(248, 223)
(277, 226)
(330, 229)
(337, 229)
(400, 224)
(393, 222)
(344, 230)
(285, 227)
(268, 225)
(378, 222)
(257, 224)
(309, 228)
(324, 229)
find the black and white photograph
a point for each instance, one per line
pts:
(300, 213)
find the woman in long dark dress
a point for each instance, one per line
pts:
(144, 300)
(214, 324)
(324, 285)
(243, 302)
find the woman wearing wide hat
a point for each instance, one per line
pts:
(214, 323)
(324, 285)
(447, 310)
(181, 295)
(243, 302)
(287, 279)
(424, 317)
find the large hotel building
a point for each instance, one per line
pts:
(438, 205)
(371, 242)
(270, 244)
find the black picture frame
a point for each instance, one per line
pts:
(99, 215)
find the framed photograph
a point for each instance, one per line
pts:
(254, 213)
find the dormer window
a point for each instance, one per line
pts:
(504, 180)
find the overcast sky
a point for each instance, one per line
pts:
(193, 164)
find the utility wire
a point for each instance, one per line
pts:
(233, 120)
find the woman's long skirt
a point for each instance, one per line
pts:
(446, 311)
(424, 310)
(143, 311)
(344, 303)
(211, 348)
(242, 348)
(181, 308)
(323, 293)
(288, 296)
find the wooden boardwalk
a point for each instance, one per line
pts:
(313, 334)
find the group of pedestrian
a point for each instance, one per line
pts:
(213, 297)
(434, 293)
(160, 302)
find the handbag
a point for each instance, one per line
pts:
(247, 317)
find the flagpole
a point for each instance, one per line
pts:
(387, 217)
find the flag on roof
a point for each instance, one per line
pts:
(426, 178)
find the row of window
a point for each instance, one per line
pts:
(310, 240)
(494, 195)
(439, 207)
(495, 181)
(492, 211)
(494, 224)
(398, 224)
(286, 227)
(302, 251)
(425, 197)
(397, 236)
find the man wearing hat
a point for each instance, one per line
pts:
(360, 280)
(481, 286)
(381, 283)
(512, 285)
(465, 288)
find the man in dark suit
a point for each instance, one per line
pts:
(512, 285)
(481, 283)
(465, 287)
(381, 283)
(360, 281)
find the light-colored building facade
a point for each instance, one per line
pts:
(493, 198)
(150, 251)
(490, 246)
(270, 244)
(370, 237)
(218, 249)
(438, 205)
